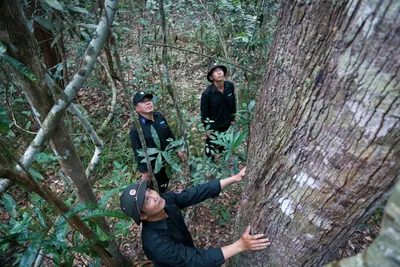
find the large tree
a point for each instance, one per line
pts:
(324, 148)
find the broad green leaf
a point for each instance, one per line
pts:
(152, 151)
(78, 208)
(239, 140)
(45, 23)
(61, 232)
(44, 158)
(3, 48)
(40, 216)
(58, 36)
(104, 213)
(55, 4)
(117, 164)
(79, 10)
(102, 236)
(159, 164)
(25, 236)
(109, 194)
(9, 204)
(20, 67)
(171, 162)
(21, 226)
(30, 253)
(156, 138)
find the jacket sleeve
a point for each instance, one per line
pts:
(136, 145)
(171, 253)
(197, 194)
(204, 108)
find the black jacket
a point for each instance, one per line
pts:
(164, 132)
(218, 107)
(169, 243)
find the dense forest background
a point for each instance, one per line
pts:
(68, 71)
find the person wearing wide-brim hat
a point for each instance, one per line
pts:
(166, 239)
(218, 106)
(148, 119)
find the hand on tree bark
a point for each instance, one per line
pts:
(239, 176)
(253, 242)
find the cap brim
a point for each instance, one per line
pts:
(141, 193)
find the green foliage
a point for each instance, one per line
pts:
(16, 64)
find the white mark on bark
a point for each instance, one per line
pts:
(303, 178)
(320, 222)
(286, 206)
(309, 236)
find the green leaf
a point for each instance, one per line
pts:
(45, 23)
(117, 164)
(239, 140)
(20, 67)
(40, 216)
(44, 158)
(152, 151)
(109, 194)
(78, 208)
(159, 164)
(156, 138)
(55, 4)
(58, 36)
(79, 10)
(104, 213)
(25, 236)
(3, 48)
(9, 204)
(102, 236)
(30, 253)
(61, 232)
(170, 160)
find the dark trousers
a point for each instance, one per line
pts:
(212, 148)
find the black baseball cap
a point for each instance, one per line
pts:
(132, 199)
(139, 97)
(212, 68)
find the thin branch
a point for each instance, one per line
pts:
(93, 136)
(175, 97)
(200, 54)
(114, 97)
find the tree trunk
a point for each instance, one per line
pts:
(14, 32)
(325, 142)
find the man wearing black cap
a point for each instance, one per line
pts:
(165, 237)
(149, 118)
(218, 104)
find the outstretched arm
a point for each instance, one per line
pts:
(246, 242)
(233, 179)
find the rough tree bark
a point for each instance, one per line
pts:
(325, 142)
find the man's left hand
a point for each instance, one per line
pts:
(233, 123)
(181, 155)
